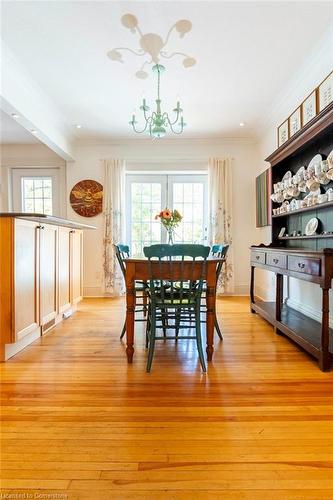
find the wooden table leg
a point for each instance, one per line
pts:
(252, 288)
(324, 357)
(210, 303)
(130, 311)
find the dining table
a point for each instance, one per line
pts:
(139, 270)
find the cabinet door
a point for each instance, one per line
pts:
(26, 282)
(48, 273)
(76, 265)
(64, 248)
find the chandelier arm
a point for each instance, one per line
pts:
(144, 115)
(176, 119)
(140, 53)
(139, 131)
(173, 130)
(166, 56)
(168, 35)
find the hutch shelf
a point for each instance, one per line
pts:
(308, 258)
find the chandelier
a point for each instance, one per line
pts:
(157, 122)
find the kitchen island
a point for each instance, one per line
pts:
(41, 276)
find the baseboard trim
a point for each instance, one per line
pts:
(307, 310)
(91, 292)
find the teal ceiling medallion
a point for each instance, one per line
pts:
(158, 122)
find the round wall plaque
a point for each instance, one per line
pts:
(86, 198)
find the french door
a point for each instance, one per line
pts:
(147, 195)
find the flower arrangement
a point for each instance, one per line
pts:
(170, 219)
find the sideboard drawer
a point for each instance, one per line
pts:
(304, 265)
(258, 257)
(276, 260)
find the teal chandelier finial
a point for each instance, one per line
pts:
(158, 122)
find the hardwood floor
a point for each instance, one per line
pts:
(80, 423)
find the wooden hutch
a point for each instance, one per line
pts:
(309, 258)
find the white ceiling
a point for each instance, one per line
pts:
(245, 51)
(12, 132)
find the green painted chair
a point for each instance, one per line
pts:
(123, 252)
(218, 251)
(181, 293)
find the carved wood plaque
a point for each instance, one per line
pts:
(86, 198)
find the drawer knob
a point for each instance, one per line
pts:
(275, 261)
(257, 257)
(301, 265)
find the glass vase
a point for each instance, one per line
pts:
(170, 237)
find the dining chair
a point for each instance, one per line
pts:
(180, 292)
(123, 252)
(218, 251)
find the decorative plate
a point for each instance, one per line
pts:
(299, 171)
(330, 159)
(311, 227)
(315, 160)
(86, 198)
(287, 175)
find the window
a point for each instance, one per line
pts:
(37, 195)
(38, 189)
(146, 195)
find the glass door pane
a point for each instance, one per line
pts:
(188, 194)
(145, 197)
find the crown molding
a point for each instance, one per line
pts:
(123, 141)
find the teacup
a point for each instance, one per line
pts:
(312, 184)
(279, 197)
(302, 186)
(322, 198)
(304, 203)
(286, 195)
(323, 179)
(294, 191)
(329, 173)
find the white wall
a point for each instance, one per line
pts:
(305, 297)
(177, 155)
(27, 155)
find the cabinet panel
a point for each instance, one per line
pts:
(304, 265)
(258, 257)
(26, 288)
(64, 268)
(48, 273)
(276, 260)
(76, 265)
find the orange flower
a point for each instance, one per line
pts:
(166, 214)
(157, 216)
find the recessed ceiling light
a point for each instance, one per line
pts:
(33, 131)
(78, 126)
(242, 124)
(15, 115)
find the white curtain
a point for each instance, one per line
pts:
(114, 223)
(220, 215)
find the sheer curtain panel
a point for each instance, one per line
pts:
(220, 215)
(114, 223)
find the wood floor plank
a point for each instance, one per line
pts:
(78, 421)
